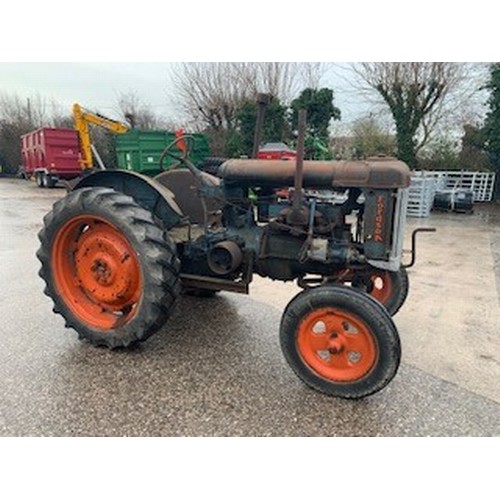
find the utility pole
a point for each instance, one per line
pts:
(29, 110)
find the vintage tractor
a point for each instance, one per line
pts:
(119, 249)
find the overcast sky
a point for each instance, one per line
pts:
(97, 85)
(90, 84)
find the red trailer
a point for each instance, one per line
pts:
(50, 154)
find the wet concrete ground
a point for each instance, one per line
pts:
(216, 368)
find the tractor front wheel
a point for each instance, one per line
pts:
(111, 271)
(340, 342)
(387, 287)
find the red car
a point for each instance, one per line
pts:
(276, 151)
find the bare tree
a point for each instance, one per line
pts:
(60, 116)
(138, 113)
(370, 138)
(418, 94)
(31, 112)
(18, 116)
(312, 73)
(280, 79)
(210, 94)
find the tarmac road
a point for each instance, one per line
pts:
(216, 368)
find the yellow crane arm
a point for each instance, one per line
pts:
(82, 119)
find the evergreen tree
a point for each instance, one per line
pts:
(492, 123)
(275, 128)
(320, 111)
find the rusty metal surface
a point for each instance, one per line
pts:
(318, 174)
(299, 162)
(262, 101)
(185, 188)
(210, 283)
(225, 257)
(99, 178)
(148, 193)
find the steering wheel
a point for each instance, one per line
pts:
(189, 143)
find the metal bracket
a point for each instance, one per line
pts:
(212, 283)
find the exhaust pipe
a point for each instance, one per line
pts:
(298, 214)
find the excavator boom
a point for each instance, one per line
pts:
(82, 119)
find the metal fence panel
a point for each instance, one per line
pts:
(424, 185)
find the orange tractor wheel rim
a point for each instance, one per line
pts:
(336, 345)
(382, 286)
(97, 272)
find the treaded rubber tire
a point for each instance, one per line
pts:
(400, 286)
(39, 180)
(50, 183)
(159, 265)
(365, 308)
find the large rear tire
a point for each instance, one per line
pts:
(340, 342)
(111, 271)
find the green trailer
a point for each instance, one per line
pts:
(140, 150)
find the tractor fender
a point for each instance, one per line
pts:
(147, 192)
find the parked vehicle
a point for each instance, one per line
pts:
(140, 150)
(276, 151)
(117, 250)
(50, 154)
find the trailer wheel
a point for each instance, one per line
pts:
(389, 288)
(45, 180)
(39, 179)
(49, 181)
(111, 271)
(340, 342)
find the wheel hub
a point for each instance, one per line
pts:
(336, 344)
(98, 270)
(104, 267)
(102, 272)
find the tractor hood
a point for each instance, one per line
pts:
(373, 173)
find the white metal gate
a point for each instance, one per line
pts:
(425, 183)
